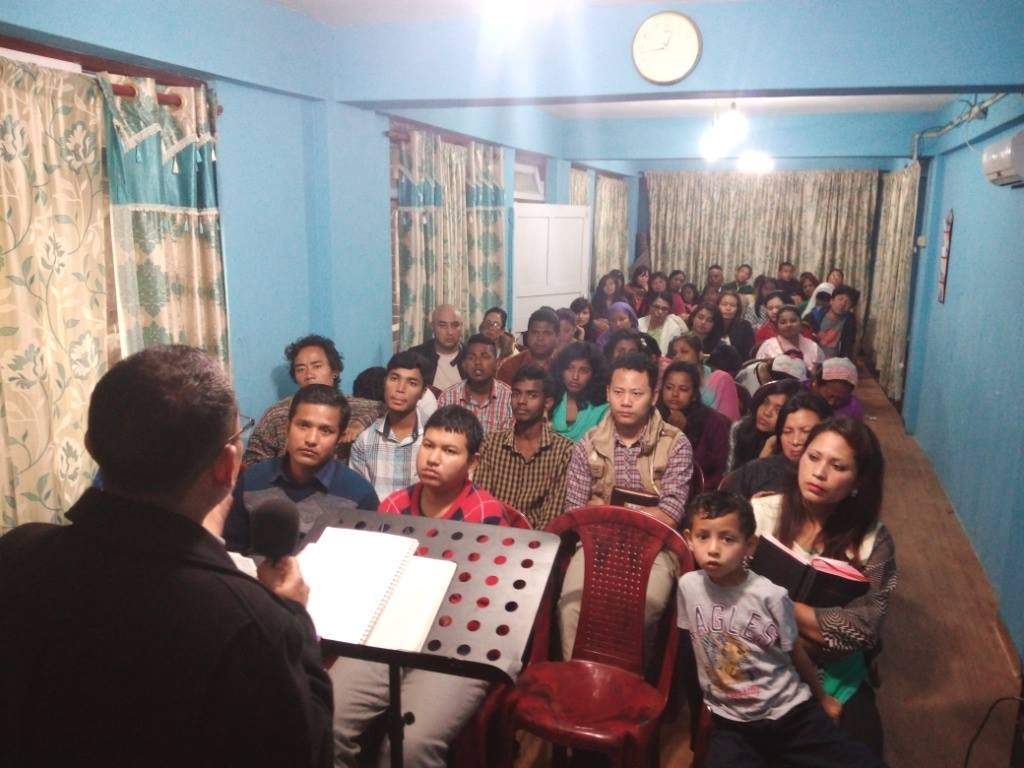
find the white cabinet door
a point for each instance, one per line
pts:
(551, 257)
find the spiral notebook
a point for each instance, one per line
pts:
(368, 588)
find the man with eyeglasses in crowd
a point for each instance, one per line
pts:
(317, 418)
(129, 637)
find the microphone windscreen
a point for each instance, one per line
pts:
(274, 528)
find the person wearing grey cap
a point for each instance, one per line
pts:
(835, 382)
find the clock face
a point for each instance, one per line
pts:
(666, 47)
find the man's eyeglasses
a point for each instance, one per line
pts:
(248, 422)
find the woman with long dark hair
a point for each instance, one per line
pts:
(736, 331)
(680, 404)
(706, 322)
(833, 511)
(775, 471)
(773, 302)
(748, 435)
(581, 382)
(606, 294)
(636, 290)
(764, 286)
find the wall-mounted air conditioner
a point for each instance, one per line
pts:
(1003, 161)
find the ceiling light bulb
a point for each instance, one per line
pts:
(733, 126)
(712, 146)
(754, 161)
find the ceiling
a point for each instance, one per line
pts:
(342, 13)
(775, 105)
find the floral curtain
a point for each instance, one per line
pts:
(816, 219)
(53, 300)
(886, 332)
(450, 231)
(578, 187)
(169, 274)
(485, 234)
(611, 226)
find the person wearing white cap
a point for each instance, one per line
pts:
(757, 372)
(836, 382)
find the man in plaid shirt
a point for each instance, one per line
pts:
(631, 448)
(525, 465)
(480, 393)
(385, 453)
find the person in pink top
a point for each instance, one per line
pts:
(790, 340)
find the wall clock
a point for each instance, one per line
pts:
(666, 47)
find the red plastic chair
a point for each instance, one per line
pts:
(599, 700)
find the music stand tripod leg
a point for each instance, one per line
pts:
(396, 724)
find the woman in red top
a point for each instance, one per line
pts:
(773, 303)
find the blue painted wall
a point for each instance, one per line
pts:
(963, 397)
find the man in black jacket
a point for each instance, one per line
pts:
(445, 351)
(129, 637)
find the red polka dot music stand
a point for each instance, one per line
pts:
(485, 620)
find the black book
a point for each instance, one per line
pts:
(820, 582)
(624, 497)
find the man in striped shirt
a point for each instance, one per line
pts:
(480, 393)
(385, 453)
(525, 465)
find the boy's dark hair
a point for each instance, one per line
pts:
(500, 311)
(747, 267)
(543, 315)
(786, 264)
(321, 394)
(579, 304)
(531, 372)
(158, 418)
(622, 334)
(712, 505)
(411, 360)
(636, 361)
(334, 358)
(715, 266)
(725, 358)
(479, 338)
(460, 421)
(846, 290)
(566, 315)
(369, 384)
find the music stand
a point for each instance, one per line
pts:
(483, 626)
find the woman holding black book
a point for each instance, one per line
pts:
(833, 511)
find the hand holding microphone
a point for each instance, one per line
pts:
(274, 533)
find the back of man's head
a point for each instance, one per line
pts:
(158, 418)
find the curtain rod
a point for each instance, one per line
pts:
(94, 64)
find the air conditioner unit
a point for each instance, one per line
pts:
(1003, 161)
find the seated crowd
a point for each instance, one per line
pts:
(725, 413)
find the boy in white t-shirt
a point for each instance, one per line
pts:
(766, 700)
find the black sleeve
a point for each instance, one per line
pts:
(270, 700)
(846, 339)
(236, 527)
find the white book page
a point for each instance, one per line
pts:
(350, 575)
(407, 618)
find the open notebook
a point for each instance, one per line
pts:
(368, 588)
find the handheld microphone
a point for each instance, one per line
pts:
(274, 528)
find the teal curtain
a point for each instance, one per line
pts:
(449, 231)
(165, 224)
(485, 220)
